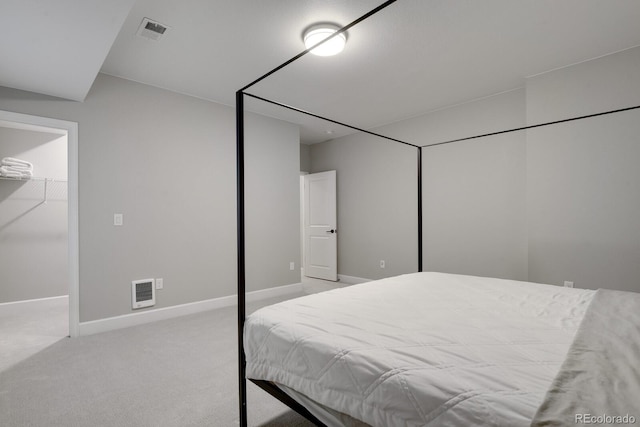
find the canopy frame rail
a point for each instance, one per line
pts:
(304, 52)
(283, 397)
(241, 267)
(554, 122)
(308, 113)
(268, 387)
(265, 385)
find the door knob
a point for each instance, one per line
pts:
(331, 231)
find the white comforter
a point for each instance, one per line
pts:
(599, 381)
(423, 349)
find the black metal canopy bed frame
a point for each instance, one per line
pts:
(241, 268)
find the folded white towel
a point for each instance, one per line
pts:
(18, 168)
(10, 172)
(17, 163)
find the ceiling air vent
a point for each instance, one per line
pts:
(152, 30)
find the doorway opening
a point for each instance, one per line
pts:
(38, 231)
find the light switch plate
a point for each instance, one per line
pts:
(118, 219)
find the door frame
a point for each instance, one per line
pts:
(302, 231)
(73, 251)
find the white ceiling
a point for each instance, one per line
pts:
(413, 57)
(57, 47)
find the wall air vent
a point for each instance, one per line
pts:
(143, 293)
(152, 30)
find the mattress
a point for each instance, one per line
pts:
(422, 349)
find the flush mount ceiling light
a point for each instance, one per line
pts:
(315, 34)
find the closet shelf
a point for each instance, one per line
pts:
(6, 178)
(45, 181)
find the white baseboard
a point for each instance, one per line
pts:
(347, 280)
(33, 300)
(312, 286)
(273, 292)
(147, 316)
(352, 280)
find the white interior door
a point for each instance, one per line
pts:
(320, 232)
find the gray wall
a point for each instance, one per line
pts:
(583, 179)
(305, 158)
(167, 162)
(547, 205)
(473, 194)
(272, 195)
(33, 234)
(473, 191)
(377, 204)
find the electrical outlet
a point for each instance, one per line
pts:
(160, 283)
(292, 266)
(382, 263)
(118, 219)
(568, 284)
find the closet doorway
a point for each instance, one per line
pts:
(38, 232)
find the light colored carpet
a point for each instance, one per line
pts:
(31, 326)
(180, 372)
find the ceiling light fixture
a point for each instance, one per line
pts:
(316, 33)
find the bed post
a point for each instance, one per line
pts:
(420, 209)
(242, 382)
